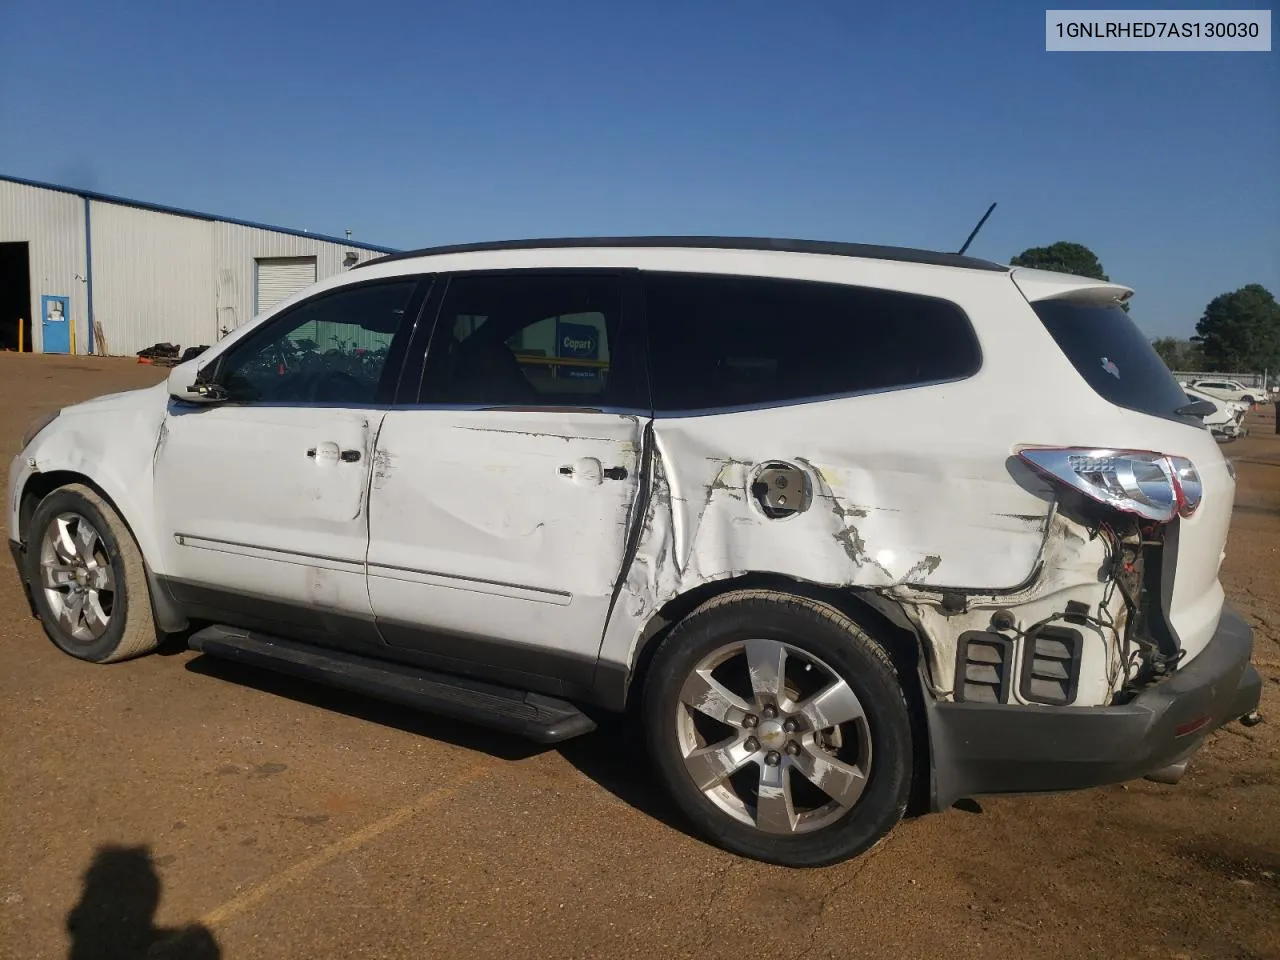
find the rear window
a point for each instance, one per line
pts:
(1113, 356)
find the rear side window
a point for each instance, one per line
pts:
(526, 339)
(736, 341)
(1112, 355)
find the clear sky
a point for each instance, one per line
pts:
(415, 123)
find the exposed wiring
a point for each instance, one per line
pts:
(1130, 660)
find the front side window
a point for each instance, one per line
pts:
(525, 340)
(331, 349)
(718, 341)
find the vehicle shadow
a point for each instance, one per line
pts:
(503, 746)
(115, 916)
(614, 757)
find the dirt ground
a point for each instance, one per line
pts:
(227, 812)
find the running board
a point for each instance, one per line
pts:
(540, 718)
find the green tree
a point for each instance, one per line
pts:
(1179, 354)
(1063, 257)
(1241, 330)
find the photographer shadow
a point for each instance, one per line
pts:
(115, 916)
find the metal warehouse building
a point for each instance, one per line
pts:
(83, 272)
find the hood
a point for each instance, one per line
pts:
(124, 400)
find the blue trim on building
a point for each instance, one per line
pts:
(193, 214)
(88, 268)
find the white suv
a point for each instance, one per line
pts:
(769, 494)
(1229, 390)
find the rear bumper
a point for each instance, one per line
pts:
(1005, 748)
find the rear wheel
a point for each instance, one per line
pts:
(87, 577)
(780, 728)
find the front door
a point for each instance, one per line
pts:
(263, 497)
(501, 503)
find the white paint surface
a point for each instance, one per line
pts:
(476, 530)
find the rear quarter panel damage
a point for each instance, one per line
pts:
(917, 493)
(897, 507)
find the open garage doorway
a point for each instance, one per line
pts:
(15, 295)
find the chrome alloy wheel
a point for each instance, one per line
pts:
(773, 736)
(77, 577)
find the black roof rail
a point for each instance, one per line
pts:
(828, 247)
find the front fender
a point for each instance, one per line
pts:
(111, 443)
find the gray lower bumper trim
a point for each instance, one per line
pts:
(1006, 748)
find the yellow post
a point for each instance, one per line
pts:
(73, 336)
(22, 327)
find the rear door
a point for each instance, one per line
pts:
(262, 498)
(501, 501)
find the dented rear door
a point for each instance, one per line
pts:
(497, 536)
(502, 500)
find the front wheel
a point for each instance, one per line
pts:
(780, 728)
(87, 578)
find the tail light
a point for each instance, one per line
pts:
(1154, 486)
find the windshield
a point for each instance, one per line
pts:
(1114, 357)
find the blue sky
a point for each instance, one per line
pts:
(420, 123)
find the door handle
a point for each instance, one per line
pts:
(589, 472)
(328, 452)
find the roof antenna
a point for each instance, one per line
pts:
(975, 230)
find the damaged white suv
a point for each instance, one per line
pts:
(769, 494)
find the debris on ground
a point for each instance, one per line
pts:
(169, 354)
(161, 354)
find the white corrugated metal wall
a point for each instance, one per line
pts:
(152, 277)
(157, 276)
(52, 224)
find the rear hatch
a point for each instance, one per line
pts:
(1087, 320)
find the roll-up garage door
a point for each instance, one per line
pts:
(280, 278)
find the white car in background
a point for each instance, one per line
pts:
(1229, 390)
(1226, 421)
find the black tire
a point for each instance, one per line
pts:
(818, 629)
(130, 629)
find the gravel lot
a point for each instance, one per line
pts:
(225, 812)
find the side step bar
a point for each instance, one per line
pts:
(540, 718)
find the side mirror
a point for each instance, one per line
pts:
(185, 385)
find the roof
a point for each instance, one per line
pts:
(193, 214)
(830, 248)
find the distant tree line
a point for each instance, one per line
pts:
(1238, 332)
